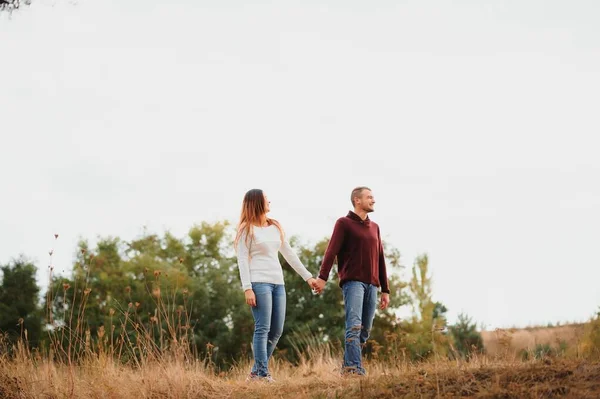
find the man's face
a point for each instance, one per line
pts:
(366, 201)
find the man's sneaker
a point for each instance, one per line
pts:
(352, 372)
(256, 377)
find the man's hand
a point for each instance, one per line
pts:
(319, 285)
(385, 300)
(250, 297)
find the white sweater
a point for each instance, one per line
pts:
(262, 266)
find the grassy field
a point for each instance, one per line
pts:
(513, 341)
(28, 376)
(134, 362)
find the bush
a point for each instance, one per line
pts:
(590, 343)
(467, 340)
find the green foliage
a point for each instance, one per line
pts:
(423, 334)
(122, 277)
(439, 310)
(542, 351)
(197, 273)
(591, 338)
(386, 320)
(141, 299)
(425, 331)
(19, 301)
(132, 298)
(467, 340)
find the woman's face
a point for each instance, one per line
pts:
(267, 205)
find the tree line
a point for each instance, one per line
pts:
(169, 288)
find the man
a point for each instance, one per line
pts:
(356, 242)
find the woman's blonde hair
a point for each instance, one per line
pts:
(253, 211)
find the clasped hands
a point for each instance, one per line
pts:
(317, 285)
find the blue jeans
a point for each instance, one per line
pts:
(360, 302)
(269, 315)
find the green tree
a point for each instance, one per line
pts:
(82, 302)
(467, 340)
(386, 321)
(439, 310)
(425, 330)
(220, 314)
(150, 279)
(155, 280)
(19, 310)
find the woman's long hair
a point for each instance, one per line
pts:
(253, 211)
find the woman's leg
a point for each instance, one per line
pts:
(262, 324)
(277, 318)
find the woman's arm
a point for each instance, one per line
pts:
(292, 258)
(243, 258)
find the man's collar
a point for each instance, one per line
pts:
(352, 215)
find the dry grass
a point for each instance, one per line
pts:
(153, 359)
(25, 378)
(512, 341)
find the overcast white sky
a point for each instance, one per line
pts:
(474, 122)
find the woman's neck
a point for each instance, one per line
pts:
(263, 222)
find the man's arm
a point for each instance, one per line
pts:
(333, 248)
(383, 280)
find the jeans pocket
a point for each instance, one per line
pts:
(260, 288)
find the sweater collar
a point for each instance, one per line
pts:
(357, 218)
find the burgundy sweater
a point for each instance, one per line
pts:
(357, 245)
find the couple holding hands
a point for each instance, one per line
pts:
(356, 242)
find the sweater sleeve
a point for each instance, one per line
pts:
(243, 257)
(292, 258)
(383, 280)
(333, 248)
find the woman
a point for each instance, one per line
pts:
(257, 242)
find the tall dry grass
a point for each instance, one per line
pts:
(578, 341)
(515, 341)
(26, 375)
(173, 371)
(137, 358)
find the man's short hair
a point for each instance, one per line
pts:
(357, 192)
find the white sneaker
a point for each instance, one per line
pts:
(256, 377)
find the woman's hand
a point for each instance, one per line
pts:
(250, 297)
(311, 282)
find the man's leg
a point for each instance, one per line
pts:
(354, 292)
(369, 307)
(262, 323)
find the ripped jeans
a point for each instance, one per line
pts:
(360, 302)
(269, 315)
